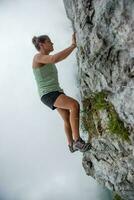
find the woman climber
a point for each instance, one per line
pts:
(50, 92)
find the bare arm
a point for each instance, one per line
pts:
(56, 57)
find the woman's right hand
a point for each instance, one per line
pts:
(74, 39)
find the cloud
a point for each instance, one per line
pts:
(34, 157)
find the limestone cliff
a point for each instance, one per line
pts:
(105, 58)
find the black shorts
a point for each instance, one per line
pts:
(50, 98)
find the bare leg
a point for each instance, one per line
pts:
(64, 102)
(74, 121)
(68, 132)
(65, 114)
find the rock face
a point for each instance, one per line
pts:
(105, 58)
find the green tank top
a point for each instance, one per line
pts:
(46, 78)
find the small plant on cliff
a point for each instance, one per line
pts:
(117, 197)
(92, 105)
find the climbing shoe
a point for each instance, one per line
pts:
(71, 148)
(80, 145)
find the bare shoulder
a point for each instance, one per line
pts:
(40, 59)
(35, 62)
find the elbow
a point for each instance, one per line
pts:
(56, 59)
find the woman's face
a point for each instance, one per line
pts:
(48, 45)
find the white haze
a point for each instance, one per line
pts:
(35, 163)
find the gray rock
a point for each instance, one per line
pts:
(105, 59)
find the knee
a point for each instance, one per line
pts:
(75, 106)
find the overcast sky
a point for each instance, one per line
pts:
(35, 163)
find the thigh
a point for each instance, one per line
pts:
(64, 114)
(65, 102)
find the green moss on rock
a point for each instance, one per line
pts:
(91, 121)
(117, 197)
